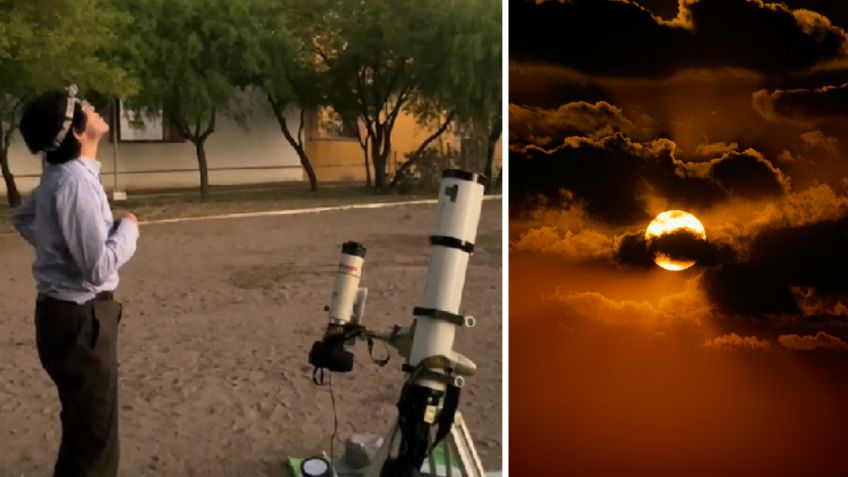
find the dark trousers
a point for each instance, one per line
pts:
(77, 348)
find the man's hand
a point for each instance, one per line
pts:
(126, 215)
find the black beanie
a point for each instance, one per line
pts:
(42, 120)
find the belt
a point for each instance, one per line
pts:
(102, 296)
(105, 296)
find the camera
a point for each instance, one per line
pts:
(330, 352)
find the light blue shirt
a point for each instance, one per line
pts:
(78, 249)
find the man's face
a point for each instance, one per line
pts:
(96, 127)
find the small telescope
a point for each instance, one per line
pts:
(346, 307)
(435, 373)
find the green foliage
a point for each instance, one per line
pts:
(181, 52)
(187, 59)
(285, 65)
(426, 174)
(473, 83)
(49, 44)
(438, 59)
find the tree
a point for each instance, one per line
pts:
(286, 70)
(379, 55)
(182, 56)
(40, 52)
(477, 83)
(468, 92)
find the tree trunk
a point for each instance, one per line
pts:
(202, 167)
(379, 158)
(364, 146)
(301, 153)
(494, 135)
(12, 194)
(368, 181)
(310, 172)
(296, 143)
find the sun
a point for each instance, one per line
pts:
(677, 226)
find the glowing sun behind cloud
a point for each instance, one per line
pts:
(670, 235)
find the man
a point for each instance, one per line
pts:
(79, 247)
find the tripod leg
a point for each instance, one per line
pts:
(470, 461)
(431, 460)
(447, 445)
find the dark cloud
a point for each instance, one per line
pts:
(761, 285)
(679, 245)
(803, 106)
(635, 251)
(819, 341)
(733, 343)
(622, 38)
(836, 12)
(551, 86)
(604, 174)
(612, 175)
(546, 127)
(748, 174)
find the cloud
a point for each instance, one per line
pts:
(802, 106)
(734, 342)
(812, 304)
(809, 206)
(715, 149)
(778, 259)
(688, 307)
(582, 245)
(748, 174)
(615, 175)
(819, 139)
(819, 341)
(550, 127)
(621, 38)
(633, 250)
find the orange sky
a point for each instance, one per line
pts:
(589, 398)
(737, 112)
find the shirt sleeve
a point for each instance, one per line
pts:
(23, 218)
(97, 253)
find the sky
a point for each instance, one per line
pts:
(735, 111)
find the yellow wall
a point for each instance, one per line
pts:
(341, 159)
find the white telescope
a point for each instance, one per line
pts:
(430, 396)
(451, 246)
(435, 372)
(347, 283)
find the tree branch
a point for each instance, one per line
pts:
(210, 128)
(417, 154)
(300, 128)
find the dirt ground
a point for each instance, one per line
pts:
(218, 320)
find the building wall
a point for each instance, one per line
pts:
(257, 154)
(341, 159)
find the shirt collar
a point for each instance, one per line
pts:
(92, 165)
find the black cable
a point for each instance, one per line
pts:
(335, 419)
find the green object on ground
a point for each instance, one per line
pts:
(343, 471)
